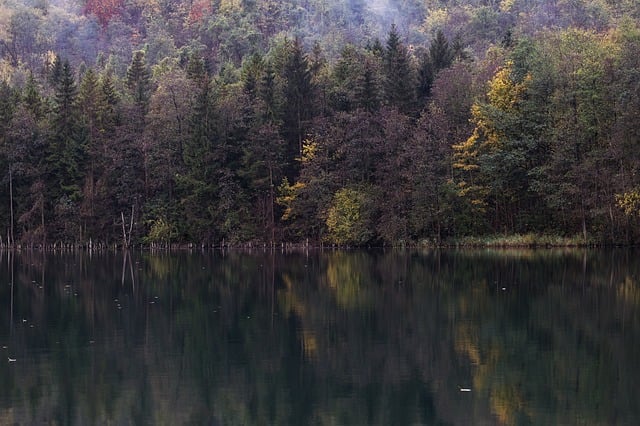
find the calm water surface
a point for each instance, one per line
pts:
(321, 338)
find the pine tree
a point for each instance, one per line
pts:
(251, 72)
(31, 97)
(55, 74)
(139, 79)
(439, 56)
(196, 185)
(267, 94)
(298, 91)
(196, 68)
(367, 96)
(399, 76)
(65, 150)
(65, 155)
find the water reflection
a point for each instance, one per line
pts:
(538, 337)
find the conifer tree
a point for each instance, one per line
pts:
(65, 158)
(367, 96)
(297, 93)
(32, 98)
(139, 79)
(399, 76)
(66, 146)
(267, 94)
(439, 56)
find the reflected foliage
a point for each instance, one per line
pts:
(540, 337)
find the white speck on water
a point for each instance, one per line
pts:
(465, 390)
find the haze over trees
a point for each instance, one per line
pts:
(352, 122)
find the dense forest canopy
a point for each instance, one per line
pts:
(348, 122)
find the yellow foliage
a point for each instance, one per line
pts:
(227, 6)
(506, 402)
(288, 301)
(346, 281)
(466, 152)
(310, 343)
(309, 150)
(466, 343)
(629, 202)
(504, 93)
(506, 5)
(629, 292)
(504, 96)
(347, 219)
(288, 194)
(436, 19)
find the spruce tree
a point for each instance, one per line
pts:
(399, 76)
(139, 79)
(366, 91)
(439, 56)
(65, 156)
(66, 146)
(298, 92)
(267, 94)
(31, 97)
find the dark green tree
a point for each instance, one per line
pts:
(398, 74)
(297, 95)
(196, 186)
(139, 80)
(65, 157)
(367, 92)
(439, 56)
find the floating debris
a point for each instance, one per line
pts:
(465, 390)
(12, 360)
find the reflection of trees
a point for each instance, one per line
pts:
(551, 348)
(322, 338)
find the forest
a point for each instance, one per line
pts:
(351, 123)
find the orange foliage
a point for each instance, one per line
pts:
(199, 9)
(104, 10)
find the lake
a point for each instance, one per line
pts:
(321, 338)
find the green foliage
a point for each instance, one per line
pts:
(349, 217)
(470, 117)
(399, 74)
(66, 151)
(160, 232)
(139, 79)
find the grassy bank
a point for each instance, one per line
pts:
(521, 240)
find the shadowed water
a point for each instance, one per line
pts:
(321, 338)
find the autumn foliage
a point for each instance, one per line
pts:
(104, 10)
(199, 9)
